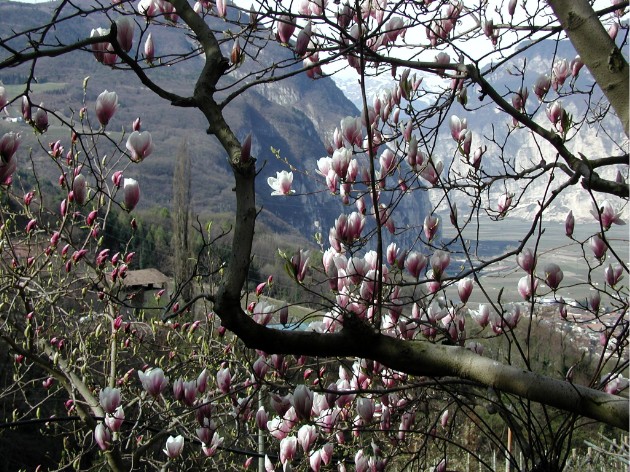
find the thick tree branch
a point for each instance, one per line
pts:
(422, 358)
(598, 51)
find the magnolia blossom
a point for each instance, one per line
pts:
(102, 436)
(526, 260)
(106, 106)
(458, 127)
(109, 399)
(99, 48)
(304, 37)
(464, 289)
(598, 246)
(131, 191)
(431, 225)
(352, 130)
(415, 263)
(115, 420)
(553, 275)
(149, 49)
(527, 286)
(3, 98)
(560, 72)
(302, 401)
(281, 184)
(288, 447)
(307, 435)
(174, 446)
(569, 224)
(40, 119)
(9, 144)
(153, 381)
(613, 274)
(124, 32)
(140, 145)
(607, 215)
(286, 27)
(224, 379)
(210, 449)
(503, 204)
(299, 264)
(542, 85)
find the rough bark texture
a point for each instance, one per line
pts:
(598, 51)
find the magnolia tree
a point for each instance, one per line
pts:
(394, 366)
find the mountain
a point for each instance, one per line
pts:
(294, 116)
(522, 149)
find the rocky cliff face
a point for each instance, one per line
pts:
(522, 149)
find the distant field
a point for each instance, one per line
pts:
(14, 90)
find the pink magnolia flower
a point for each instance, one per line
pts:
(26, 108)
(415, 263)
(559, 73)
(106, 106)
(315, 460)
(221, 8)
(431, 225)
(286, 27)
(102, 436)
(304, 37)
(598, 246)
(131, 191)
(224, 379)
(9, 144)
(140, 145)
(361, 461)
(99, 48)
(576, 65)
(124, 33)
(482, 317)
(613, 274)
(541, 86)
(464, 289)
(115, 420)
(607, 215)
(553, 275)
(475, 160)
(366, 408)
(79, 189)
(526, 260)
(302, 401)
(40, 119)
(281, 184)
(527, 286)
(307, 435)
(458, 127)
(288, 447)
(554, 112)
(174, 446)
(392, 253)
(339, 162)
(503, 204)
(352, 130)
(512, 7)
(299, 264)
(432, 171)
(149, 50)
(569, 224)
(109, 398)
(153, 381)
(440, 260)
(210, 449)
